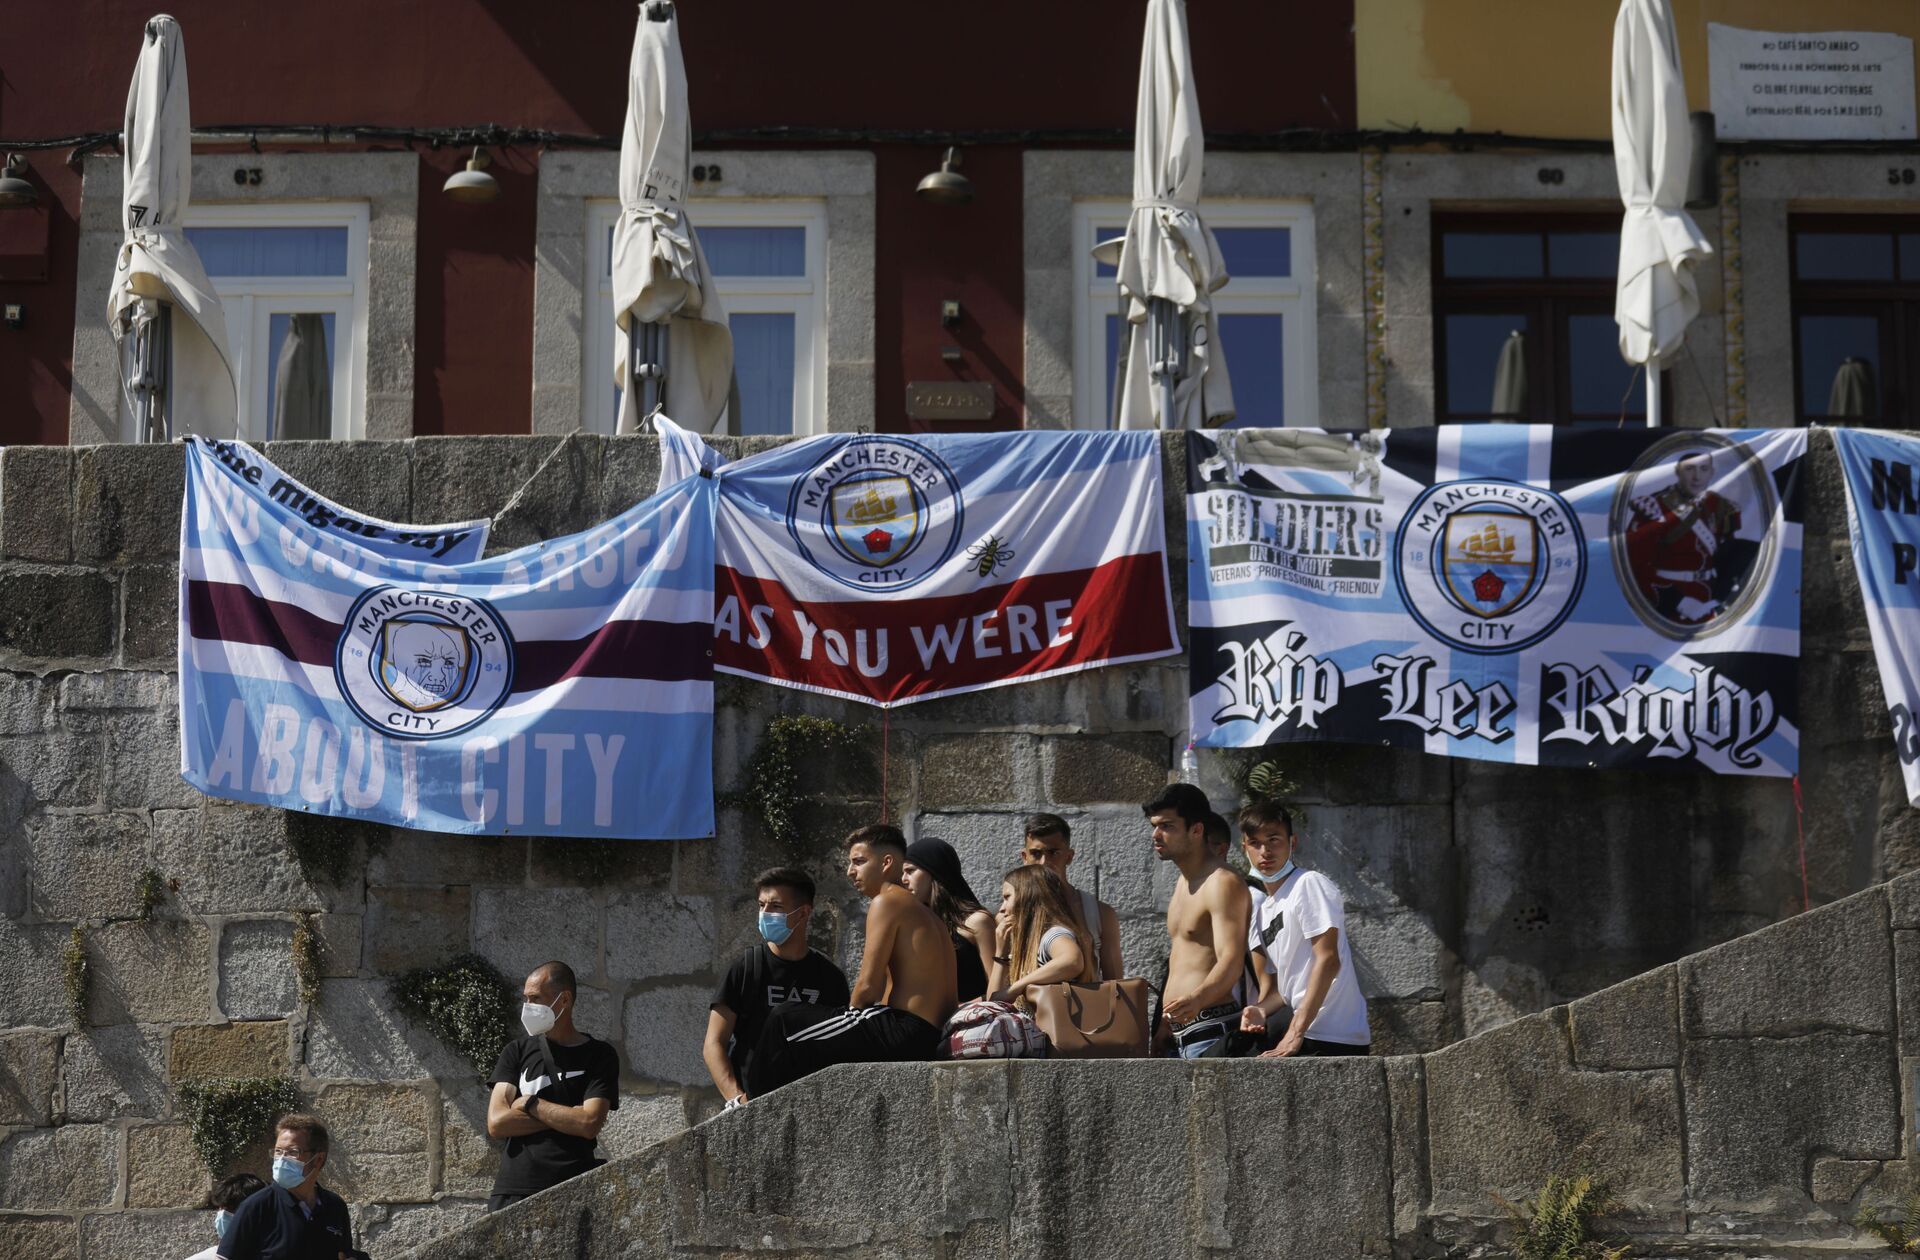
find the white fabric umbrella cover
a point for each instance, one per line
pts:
(1659, 243)
(659, 271)
(157, 263)
(1168, 250)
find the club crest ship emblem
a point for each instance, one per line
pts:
(877, 514)
(420, 664)
(1491, 561)
(1489, 566)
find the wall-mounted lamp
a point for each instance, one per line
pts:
(473, 186)
(947, 186)
(15, 192)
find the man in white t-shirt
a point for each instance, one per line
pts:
(1299, 927)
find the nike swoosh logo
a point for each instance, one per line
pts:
(534, 1084)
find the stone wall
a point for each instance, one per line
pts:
(1477, 893)
(1746, 1101)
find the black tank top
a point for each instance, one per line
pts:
(967, 968)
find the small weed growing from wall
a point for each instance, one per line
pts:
(324, 847)
(1903, 1235)
(466, 1003)
(830, 750)
(227, 1114)
(1557, 1223)
(79, 976)
(309, 957)
(150, 889)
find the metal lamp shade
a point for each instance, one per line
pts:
(472, 186)
(946, 186)
(16, 193)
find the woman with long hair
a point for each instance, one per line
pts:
(932, 875)
(1039, 936)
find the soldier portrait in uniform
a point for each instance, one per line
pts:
(1692, 543)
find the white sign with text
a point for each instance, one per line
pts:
(1815, 85)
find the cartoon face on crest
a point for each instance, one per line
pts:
(424, 662)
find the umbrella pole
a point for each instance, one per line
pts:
(1653, 396)
(660, 365)
(162, 396)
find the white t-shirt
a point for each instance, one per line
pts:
(1305, 907)
(211, 1253)
(1048, 937)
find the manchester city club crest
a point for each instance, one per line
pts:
(421, 664)
(1490, 566)
(879, 514)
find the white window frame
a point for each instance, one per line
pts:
(803, 297)
(1291, 297)
(252, 301)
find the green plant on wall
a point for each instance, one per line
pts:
(1557, 1223)
(324, 847)
(1902, 1235)
(226, 1115)
(771, 783)
(466, 1003)
(150, 890)
(78, 975)
(309, 956)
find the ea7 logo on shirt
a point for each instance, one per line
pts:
(1490, 566)
(879, 514)
(778, 993)
(422, 664)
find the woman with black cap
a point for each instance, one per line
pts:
(933, 877)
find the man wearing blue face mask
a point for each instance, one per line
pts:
(781, 969)
(295, 1218)
(552, 1092)
(226, 1199)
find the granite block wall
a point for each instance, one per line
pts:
(1478, 894)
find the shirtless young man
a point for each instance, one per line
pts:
(905, 991)
(1206, 923)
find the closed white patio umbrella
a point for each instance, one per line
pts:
(178, 372)
(672, 347)
(1657, 296)
(1175, 374)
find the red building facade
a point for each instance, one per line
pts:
(886, 87)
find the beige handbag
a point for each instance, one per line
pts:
(1093, 1021)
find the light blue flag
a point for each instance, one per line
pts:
(1883, 515)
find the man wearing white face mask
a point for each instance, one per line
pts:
(295, 1218)
(781, 970)
(552, 1091)
(226, 1199)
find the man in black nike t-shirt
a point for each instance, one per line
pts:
(552, 1090)
(783, 969)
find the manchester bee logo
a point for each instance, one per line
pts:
(987, 555)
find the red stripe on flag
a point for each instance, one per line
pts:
(900, 648)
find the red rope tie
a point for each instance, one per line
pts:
(1800, 835)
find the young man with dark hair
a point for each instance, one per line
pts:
(295, 1217)
(552, 1091)
(782, 969)
(1206, 925)
(1049, 843)
(225, 1201)
(1305, 963)
(905, 991)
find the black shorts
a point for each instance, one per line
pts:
(1330, 1048)
(800, 1038)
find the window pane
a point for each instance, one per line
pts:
(300, 377)
(1487, 356)
(1256, 365)
(275, 251)
(755, 251)
(1909, 256)
(763, 369)
(1599, 379)
(1591, 254)
(1106, 234)
(1844, 255)
(1491, 255)
(1256, 251)
(1840, 365)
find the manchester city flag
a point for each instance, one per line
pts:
(336, 665)
(1883, 515)
(1525, 594)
